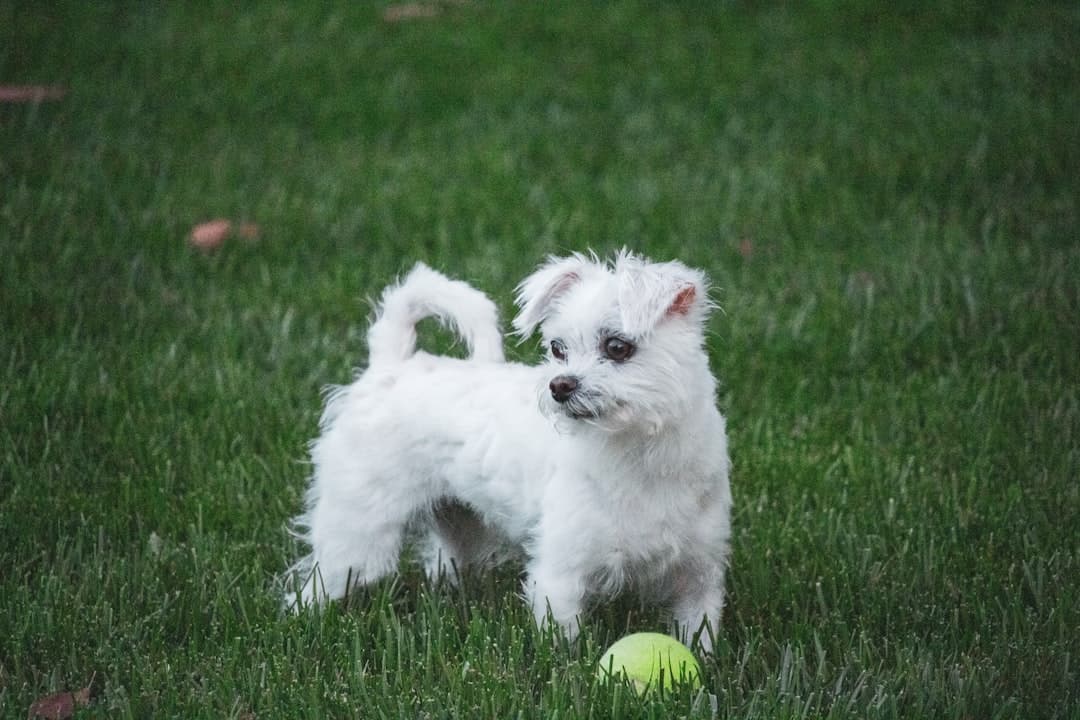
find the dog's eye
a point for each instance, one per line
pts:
(617, 349)
(558, 349)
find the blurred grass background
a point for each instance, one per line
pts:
(884, 195)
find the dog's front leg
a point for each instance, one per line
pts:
(555, 589)
(698, 605)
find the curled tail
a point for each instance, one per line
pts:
(427, 293)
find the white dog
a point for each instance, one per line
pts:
(607, 464)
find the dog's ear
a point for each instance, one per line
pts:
(539, 293)
(652, 293)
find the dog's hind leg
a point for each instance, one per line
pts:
(353, 544)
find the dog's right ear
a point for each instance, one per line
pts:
(538, 294)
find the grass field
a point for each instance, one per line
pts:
(885, 199)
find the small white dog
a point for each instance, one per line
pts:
(608, 464)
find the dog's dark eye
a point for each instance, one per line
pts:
(558, 349)
(617, 349)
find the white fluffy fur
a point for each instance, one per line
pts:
(623, 484)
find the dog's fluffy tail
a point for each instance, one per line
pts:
(426, 293)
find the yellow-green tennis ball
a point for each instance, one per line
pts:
(651, 661)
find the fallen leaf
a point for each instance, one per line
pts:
(248, 231)
(62, 705)
(209, 235)
(410, 11)
(746, 248)
(31, 93)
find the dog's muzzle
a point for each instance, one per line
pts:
(563, 387)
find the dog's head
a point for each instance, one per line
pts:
(624, 339)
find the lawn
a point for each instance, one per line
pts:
(885, 199)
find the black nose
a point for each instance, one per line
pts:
(562, 387)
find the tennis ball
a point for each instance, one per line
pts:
(650, 661)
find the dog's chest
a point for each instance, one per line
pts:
(645, 535)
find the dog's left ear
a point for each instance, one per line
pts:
(654, 293)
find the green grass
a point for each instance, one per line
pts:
(886, 201)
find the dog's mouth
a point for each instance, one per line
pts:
(582, 406)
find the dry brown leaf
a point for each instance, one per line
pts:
(31, 93)
(209, 235)
(248, 231)
(410, 11)
(62, 705)
(746, 248)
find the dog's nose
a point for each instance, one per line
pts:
(562, 387)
